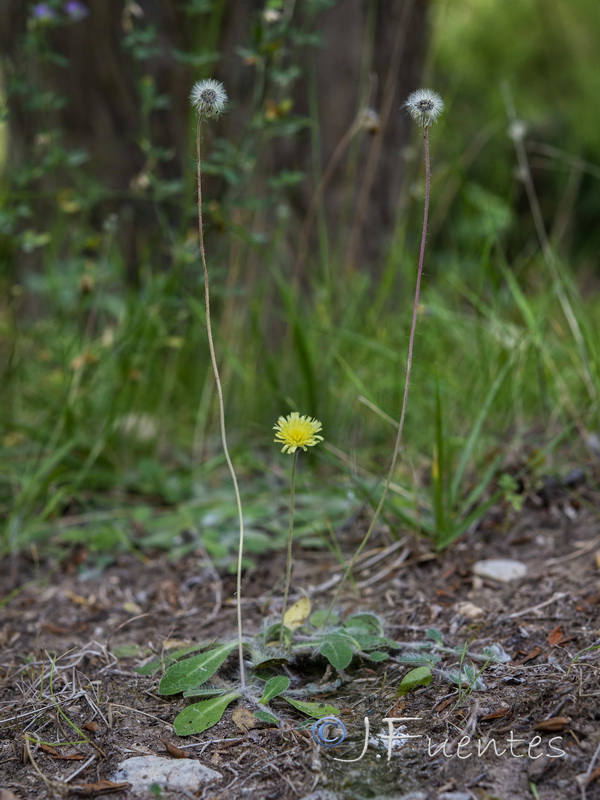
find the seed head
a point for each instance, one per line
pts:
(208, 97)
(424, 106)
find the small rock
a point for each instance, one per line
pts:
(454, 796)
(500, 569)
(469, 610)
(179, 774)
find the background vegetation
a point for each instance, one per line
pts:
(108, 413)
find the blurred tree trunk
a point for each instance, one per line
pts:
(99, 80)
(370, 58)
(105, 74)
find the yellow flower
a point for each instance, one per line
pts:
(295, 431)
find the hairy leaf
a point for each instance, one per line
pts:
(274, 687)
(337, 651)
(193, 672)
(316, 710)
(421, 676)
(202, 716)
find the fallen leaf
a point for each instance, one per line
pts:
(244, 719)
(175, 751)
(85, 602)
(445, 703)
(397, 709)
(62, 756)
(597, 559)
(557, 636)
(592, 777)
(5, 794)
(553, 724)
(297, 614)
(132, 608)
(530, 656)
(92, 727)
(100, 787)
(57, 630)
(500, 712)
(175, 644)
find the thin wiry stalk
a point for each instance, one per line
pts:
(288, 570)
(547, 250)
(409, 360)
(215, 368)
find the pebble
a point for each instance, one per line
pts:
(469, 610)
(500, 569)
(178, 774)
(454, 796)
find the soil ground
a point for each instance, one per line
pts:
(71, 637)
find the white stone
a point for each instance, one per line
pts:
(500, 569)
(169, 773)
(469, 610)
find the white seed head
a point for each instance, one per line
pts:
(208, 97)
(424, 106)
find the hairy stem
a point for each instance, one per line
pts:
(288, 567)
(215, 368)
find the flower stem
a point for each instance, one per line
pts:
(215, 368)
(409, 360)
(288, 567)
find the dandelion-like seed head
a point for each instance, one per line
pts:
(369, 120)
(424, 106)
(296, 431)
(208, 97)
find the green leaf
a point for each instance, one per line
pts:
(337, 651)
(126, 651)
(264, 716)
(193, 672)
(367, 624)
(202, 716)
(171, 658)
(205, 691)
(421, 676)
(316, 710)
(419, 657)
(274, 687)
(378, 655)
(323, 618)
(435, 636)
(369, 642)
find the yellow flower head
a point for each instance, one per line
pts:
(295, 431)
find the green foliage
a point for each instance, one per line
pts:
(200, 716)
(274, 687)
(193, 672)
(420, 676)
(315, 710)
(108, 421)
(476, 54)
(360, 635)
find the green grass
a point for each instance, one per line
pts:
(108, 411)
(113, 412)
